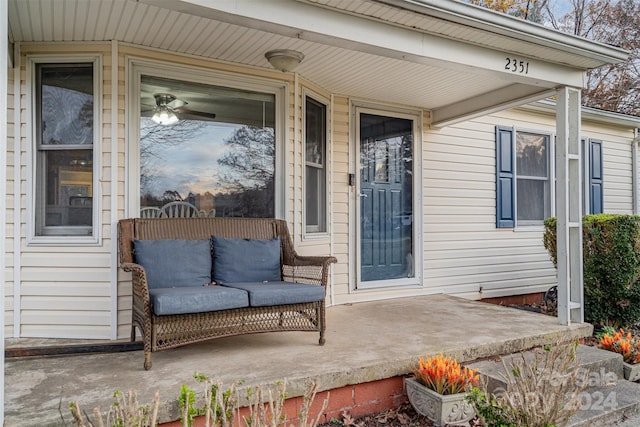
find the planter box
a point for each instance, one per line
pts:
(450, 409)
(631, 372)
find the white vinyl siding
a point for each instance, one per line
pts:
(464, 252)
(340, 200)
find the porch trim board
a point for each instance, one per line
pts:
(115, 83)
(17, 208)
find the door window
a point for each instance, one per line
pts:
(386, 198)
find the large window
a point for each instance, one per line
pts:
(315, 166)
(64, 149)
(206, 150)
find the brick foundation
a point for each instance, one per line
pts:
(357, 400)
(525, 299)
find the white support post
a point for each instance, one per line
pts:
(569, 207)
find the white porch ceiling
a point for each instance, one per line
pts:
(181, 27)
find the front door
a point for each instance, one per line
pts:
(385, 200)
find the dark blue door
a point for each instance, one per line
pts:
(386, 202)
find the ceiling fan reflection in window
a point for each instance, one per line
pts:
(169, 110)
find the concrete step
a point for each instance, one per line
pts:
(609, 400)
(605, 406)
(603, 366)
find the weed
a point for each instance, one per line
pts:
(542, 392)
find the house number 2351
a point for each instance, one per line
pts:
(516, 66)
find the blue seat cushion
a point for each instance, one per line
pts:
(173, 262)
(278, 293)
(196, 299)
(245, 260)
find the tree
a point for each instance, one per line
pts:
(249, 163)
(613, 87)
(530, 10)
(247, 173)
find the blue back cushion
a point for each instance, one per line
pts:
(174, 263)
(246, 260)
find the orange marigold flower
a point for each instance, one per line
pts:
(623, 343)
(445, 375)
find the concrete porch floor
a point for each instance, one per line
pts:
(365, 342)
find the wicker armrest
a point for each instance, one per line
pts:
(131, 266)
(323, 261)
(139, 280)
(313, 270)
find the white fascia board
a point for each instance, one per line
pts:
(512, 27)
(295, 19)
(487, 103)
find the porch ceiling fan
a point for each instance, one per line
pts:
(169, 110)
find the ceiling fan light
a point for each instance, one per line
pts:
(284, 59)
(164, 116)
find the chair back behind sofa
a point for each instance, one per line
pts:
(201, 229)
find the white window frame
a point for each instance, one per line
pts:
(137, 67)
(33, 158)
(306, 233)
(551, 178)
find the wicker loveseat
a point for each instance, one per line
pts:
(169, 316)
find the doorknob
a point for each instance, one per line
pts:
(363, 195)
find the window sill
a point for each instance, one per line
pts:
(528, 228)
(63, 241)
(315, 236)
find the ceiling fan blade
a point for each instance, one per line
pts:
(195, 113)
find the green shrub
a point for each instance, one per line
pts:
(489, 410)
(611, 247)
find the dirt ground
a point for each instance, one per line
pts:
(403, 416)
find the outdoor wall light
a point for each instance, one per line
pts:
(284, 59)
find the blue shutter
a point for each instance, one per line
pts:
(595, 177)
(505, 178)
